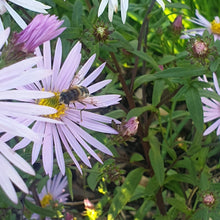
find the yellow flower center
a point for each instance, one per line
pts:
(46, 200)
(215, 27)
(54, 103)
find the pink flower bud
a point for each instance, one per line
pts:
(208, 199)
(177, 24)
(88, 204)
(200, 48)
(41, 29)
(130, 127)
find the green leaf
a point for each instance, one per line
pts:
(179, 203)
(66, 5)
(182, 178)
(156, 159)
(204, 181)
(178, 72)
(139, 111)
(214, 65)
(152, 187)
(194, 105)
(145, 208)
(77, 13)
(41, 211)
(166, 59)
(146, 57)
(136, 157)
(157, 91)
(116, 114)
(125, 192)
(143, 79)
(70, 181)
(93, 177)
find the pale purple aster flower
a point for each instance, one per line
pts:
(70, 136)
(53, 192)
(113, 7)
(32, 5)
(41, 29)
(11, 77)
(212, 27)
(211, 108)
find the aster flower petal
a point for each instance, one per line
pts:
(209, 103)
(15, 159)
(37, 127)
(102, 7)
(4, 36)
(12, 127)
(211, 108)
(5, 182)
(58, 150)
(97, 86)
(113, 7)
(73, 143)
(47, 150)
(161, 3)
(90, 124)
(69, 67)
(84, 70)
(15, 16)
(211, 128)
(57, 64)
(124, 8)
(216, 83)
(32, 5)
(66, 145)
(24, 95)
(89, 79)
(9, 174)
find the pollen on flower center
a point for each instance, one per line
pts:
(215, 27)
(46, 200)
(54, 103)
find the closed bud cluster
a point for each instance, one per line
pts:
(101, 32)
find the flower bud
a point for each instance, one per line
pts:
(41, 29)
(101, 32)
(177, 25)
(200, 48)
(208, 199)
(23, 44)
(130, 127)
